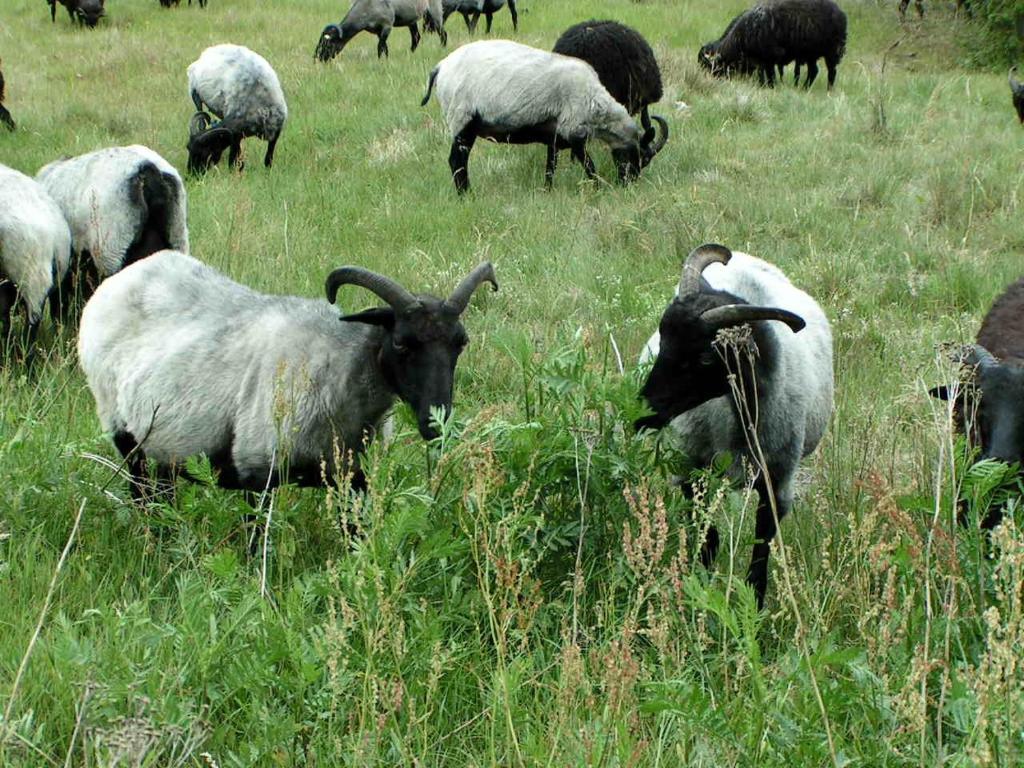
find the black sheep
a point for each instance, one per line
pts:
(773, 34)
(5, 116)
(1016, 91)
(87, 12)
(624, 63)
(995, 420)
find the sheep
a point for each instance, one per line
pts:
(471, 10)
(378, 17)
(5, 116)
(918, 6)
(789, 388)
(508, 92)
(184, 361)
(773, 34)
(122, 204)
(87, 12)
(1016, 92)
(623, 61)
(35, 252)
(991, 412)
(242, 89)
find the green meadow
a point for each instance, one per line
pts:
(524, 590)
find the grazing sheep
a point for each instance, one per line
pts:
(773, 34)
(242, 89)
(471, 10)
(623, 61)
(1016, 92)
(788, 389)
(5, 116)
(918, 6)
(508, 92)
(122, 204)
(35, 250)
(378, 17)
(991, 412)
(87, 12)
(183, 361)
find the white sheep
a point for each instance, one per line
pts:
(122, 204)
(509, 92)
(35, 251)
(789, 390)
(183, 361)
(242, 89)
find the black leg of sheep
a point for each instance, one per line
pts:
(458, 159)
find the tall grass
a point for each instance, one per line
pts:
(523, 592)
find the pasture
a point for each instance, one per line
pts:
(524, 592)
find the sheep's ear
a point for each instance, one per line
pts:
(382, 316)
(939, 393)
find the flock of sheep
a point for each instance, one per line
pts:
(183, 361)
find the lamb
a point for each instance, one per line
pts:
(184, 361)
(1016, 92)
(789, 386)
(122, 204)
(242, 89)
(87, 12)
(471, 10)
(775, 33)
(378, 17)
(508, 92)
(623, 61)
(991, 412)
(35, 251)
(5, 116)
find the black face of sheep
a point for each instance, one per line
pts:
(206, 143)
(630, 161)
(424, 337)
(330, 44)
(1017, 93)
(89, 12)
(688, 370)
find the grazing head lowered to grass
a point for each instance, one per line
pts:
(35, 251)
(183, 361)
(122, 204)
(508, 92)
(241, 88)
(87, 12)
(773, 34)
(379, 17)
(787, 383)
(990, 409)
(623, 61)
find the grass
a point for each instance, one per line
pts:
(524, 594)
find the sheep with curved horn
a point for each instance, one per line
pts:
(789, 387)
(184, 361)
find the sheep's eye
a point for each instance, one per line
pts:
(707, 358)
(399, 347)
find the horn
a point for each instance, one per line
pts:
(662, 138)
(459, 299)
(699, 258)
(395, 295)
(737, 314)
(199, 123)
(975, 356)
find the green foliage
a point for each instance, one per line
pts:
(997, 37)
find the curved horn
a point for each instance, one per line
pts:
(699, 258)
(975, 356)
(459, 300)
(395, 295)
(737, 314)
(659, 144)
(199, 123)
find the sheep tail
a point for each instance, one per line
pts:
(430, 86)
